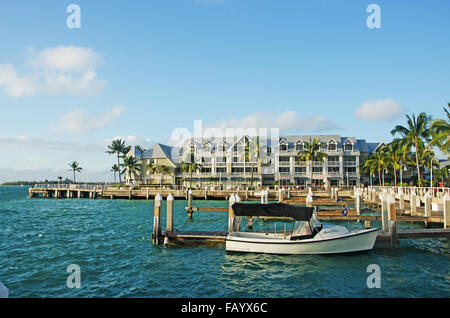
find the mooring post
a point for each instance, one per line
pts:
(446, 200)
(392, 213)
(332, 193)
(263, 196)
(157, 219)
(206, 193)
(130, 193)
(412, 203)
(94, 194)
(428, 199)
(266, 196)
(189, 209)
(147, 196)
(336, 194)
(384, 213)
(393, 233)
(231, 201)
(401, 200)
(56, 194)
(309, 200)
(169, 225)
(280, 199)
(358, 201)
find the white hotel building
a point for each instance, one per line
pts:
(224, 162)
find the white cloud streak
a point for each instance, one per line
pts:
(78, 121)
(380, 110)
(67, 70)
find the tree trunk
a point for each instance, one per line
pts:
(395, 177)
(379, 177)
(74, 181)
(118, 164)
(417, 163)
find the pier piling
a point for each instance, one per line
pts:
(169, 225)
(157, 219)
(231, 201)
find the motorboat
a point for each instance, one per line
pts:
(308, 235)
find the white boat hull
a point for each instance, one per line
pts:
(325, 243)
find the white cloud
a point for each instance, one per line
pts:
(60, 70)
(78, 121)
(288, 121)
(27, 142)
(380, 110)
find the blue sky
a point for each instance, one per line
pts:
(139, 69)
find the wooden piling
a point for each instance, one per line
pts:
(413, 203)
(446, 199)
(157, 219)
(358, 202)
(189, 209)
(309, 200)
(428, 198)
(169, 225)
(384, 213)
(231, 201)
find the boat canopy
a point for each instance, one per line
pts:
(298, 213)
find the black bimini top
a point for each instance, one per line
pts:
(298, 213)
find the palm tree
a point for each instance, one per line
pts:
(75, 167)
(117, 147)
(377, 162)
(159, 169)
(59, 180)
(416, 132)
(115, 168)
(442, 174)
(370, 168)
(311, 153)
(131, 166)
(440, 130)
(255, 152)
(395, 153)
(141, 149)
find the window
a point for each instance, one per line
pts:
(300, 169)
(317, 169)
(283, 159)
(221, 170)
(283, 147)
(284, 170)
(348, 147)
(206, 170)
(332, 147)
(299, 146)
(269, 151)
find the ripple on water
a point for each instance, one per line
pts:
(111, 242)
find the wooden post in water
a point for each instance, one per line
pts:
(401, 200)
(309, 200)
(358, 201)
(384, 213)
(412, 203)
(206, 193)
(147, 196)
(266, 196)
(56, 194)
(94, 194)
(428, 199)
(157, 219)
(393, 233)
(130, 193)
(332, 193)
(189, 209)
(231, 201)
(392, 213)
(446, 200)
(169, 225)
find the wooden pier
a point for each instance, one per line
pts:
(388, 205)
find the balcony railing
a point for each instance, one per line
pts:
(350, 163)
(333, 163)
(284, 163)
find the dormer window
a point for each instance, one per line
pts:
(283, 146)
(348, 146)
(299, 146)
(332, 145)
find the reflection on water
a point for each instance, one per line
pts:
(111, 242)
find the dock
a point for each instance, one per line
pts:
(389, 205)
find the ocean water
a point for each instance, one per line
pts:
(110, 240)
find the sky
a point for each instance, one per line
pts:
(141, 69)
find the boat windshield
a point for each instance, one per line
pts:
(305, 229)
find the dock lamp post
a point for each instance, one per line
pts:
(402, 168)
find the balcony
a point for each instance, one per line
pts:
(284, 163)
(350, 163)
(317, 164)
(333, 163)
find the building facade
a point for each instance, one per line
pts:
(255, 162)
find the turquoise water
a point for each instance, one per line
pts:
(111, 242)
